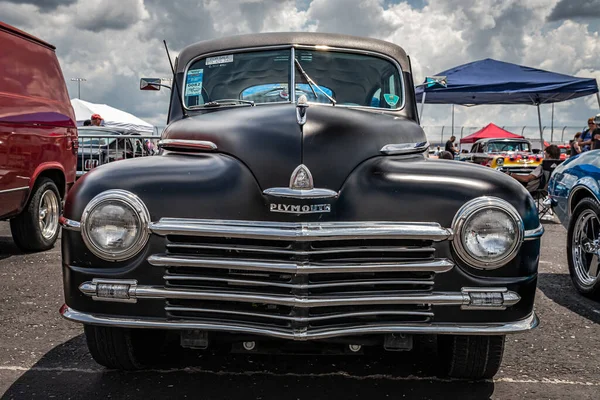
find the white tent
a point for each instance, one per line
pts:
(111, 116)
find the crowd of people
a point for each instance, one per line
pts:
(588, 139)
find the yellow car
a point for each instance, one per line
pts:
(512, 155)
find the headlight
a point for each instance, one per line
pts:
(500, 161)
(488, 232)
(114, 225)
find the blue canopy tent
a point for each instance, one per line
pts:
(495, 82)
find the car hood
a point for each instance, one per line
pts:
(269, 140)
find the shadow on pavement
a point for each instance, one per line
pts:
(8, 248)
(68, 371)
(559, 288)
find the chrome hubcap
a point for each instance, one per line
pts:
(48, 214)
(586, 247)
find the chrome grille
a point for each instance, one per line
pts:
(366, 276)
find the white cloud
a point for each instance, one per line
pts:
(112, 43)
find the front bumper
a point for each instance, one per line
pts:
(299, 281)
(433, 328)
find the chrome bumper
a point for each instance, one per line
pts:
(432, 328)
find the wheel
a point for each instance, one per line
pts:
(36, 228)
(471, 356)
(583, 247)
(121, 348)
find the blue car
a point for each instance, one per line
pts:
(574, 191)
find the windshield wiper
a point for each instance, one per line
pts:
(222, 102)
(312, 83)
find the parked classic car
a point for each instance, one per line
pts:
(95, 148)
(38, 139)
(514, 155)
(315, 217)
(574, 190)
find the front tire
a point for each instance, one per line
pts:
(470, 356)
(36, 228)
(583, 248)
(121, 348)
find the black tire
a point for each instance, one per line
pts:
(123, 349)
(583, 207)
(25, 227)
(470, 356)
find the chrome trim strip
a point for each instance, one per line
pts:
(300, 231)
(438, 298)
(288, 193)
(533, 234)
(292, 82)
(428, 314)
(183, 144)
(437, 265)
(404, 148)
(488, 328)
(69, 224)
(14, 189)
(329, 250)
(306, 47)
(248, 282)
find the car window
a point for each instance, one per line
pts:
(264, 77)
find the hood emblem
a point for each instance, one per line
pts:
(301, 179)
(301, 187)
(301, 107)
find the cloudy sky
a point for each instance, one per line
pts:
(112, 43)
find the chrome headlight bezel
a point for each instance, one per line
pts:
(469, 210)
(500, 161)
(141, 213)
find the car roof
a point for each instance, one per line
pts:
(9, 28)
(107, 130)
(502, 140)
(291, 38)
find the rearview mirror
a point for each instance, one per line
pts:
(150, 84)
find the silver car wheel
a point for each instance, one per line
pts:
(48, 214)
(586, 247)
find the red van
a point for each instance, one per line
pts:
(38, 139)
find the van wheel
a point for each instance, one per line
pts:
(471, 356)
(36, 228)
(122, 348)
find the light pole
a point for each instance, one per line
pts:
(78, 80)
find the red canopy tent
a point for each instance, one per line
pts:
(491, 131)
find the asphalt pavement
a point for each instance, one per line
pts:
(44, 356)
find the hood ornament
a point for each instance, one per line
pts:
(301, 187)
(301, 107)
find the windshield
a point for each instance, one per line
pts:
(497, 147)
(264, 77)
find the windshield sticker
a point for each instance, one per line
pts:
(391, 99)
(193, 85)
(219, 60)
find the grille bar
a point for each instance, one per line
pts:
(436, 265)
(331, 250)
(188, 278)
(300, 231)
(427, 314)
(441, 298)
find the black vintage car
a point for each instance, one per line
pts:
(99, 145)
(294, 200)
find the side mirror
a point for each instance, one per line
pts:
(536, 151)
(150, 84)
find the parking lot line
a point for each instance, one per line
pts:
(191, 370)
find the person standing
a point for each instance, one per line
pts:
(96, 120)
(450, 145)
(585, 140)
(575, 148)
